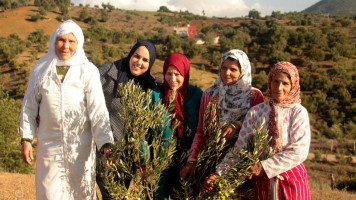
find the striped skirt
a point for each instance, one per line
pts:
(290, 185)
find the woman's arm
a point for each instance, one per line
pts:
(296, 151)
(98, 113)
(28, 123)
(246, 132)
(199, 138)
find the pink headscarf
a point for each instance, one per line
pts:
(182, 64)
(291, 100)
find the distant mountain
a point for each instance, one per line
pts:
(333, 7)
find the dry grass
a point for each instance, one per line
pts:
(22, 186)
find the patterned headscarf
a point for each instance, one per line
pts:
(275, 120)
(182, 64)
(234, 100)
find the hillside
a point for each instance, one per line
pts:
(333, 7)
(323, 47)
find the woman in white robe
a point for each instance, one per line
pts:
(73, 118)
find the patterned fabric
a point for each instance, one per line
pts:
(296, 140)
(199, 138)
(293, 98)
(234, 100)
(182, 64)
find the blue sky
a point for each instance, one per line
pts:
(218, 8)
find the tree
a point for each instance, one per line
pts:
(209, 38)
(190, 48)
(254, 14)
(83, 14)
(10, 148)
(110, 7)
(336, 37)
(323, 82)
(260, 81)
(163, 9)
(213, 57)
(104, 15)
(276, 14)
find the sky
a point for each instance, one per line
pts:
(217, 8)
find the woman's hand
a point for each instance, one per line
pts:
(27, 153)
(188, 170)
(207, 185)
(107, 151)
(231, 130)
(256, 171)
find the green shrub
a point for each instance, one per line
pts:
(14, 64)
(35, 17)
(348, 183)
(317, 156)
(10, 148)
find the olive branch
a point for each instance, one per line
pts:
(231, 184)
(133, 169)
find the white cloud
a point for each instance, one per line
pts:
(218, 8)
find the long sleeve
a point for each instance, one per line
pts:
(98, 113)
(29, 111)
(297, 147)
(199, 138)
(246, 132)
(296, 139)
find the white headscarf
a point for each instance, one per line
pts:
(47, 63)
(234, 100)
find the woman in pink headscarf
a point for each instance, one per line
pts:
(282, 176)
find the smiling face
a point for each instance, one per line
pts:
(139, 61)
(66, 46)
(230, 71)
(280, 86)
(174, 78)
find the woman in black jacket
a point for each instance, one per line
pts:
(137, 65)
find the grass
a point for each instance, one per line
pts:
(14, 21)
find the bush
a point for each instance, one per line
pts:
(334, 132)
(10, 148)
(260, 81)
(14, 64)
(317, 54)
(35, 17)
(59, 18)
(317, 156)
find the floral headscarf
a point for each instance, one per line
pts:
(182, 64)
(275, 120)
(234, 100)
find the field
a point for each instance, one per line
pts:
(22, 186)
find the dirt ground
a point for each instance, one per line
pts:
(19, 186)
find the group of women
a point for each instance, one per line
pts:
(75, 106)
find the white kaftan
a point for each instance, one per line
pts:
(73, 115)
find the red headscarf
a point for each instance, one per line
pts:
(292, 98)
(182, 64)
